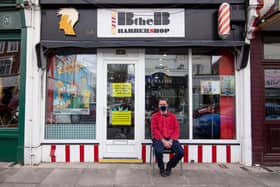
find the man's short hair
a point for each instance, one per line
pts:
(162, 99)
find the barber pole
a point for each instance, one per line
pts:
(114, 22)
(224, 20)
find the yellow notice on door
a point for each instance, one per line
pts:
(121, 89)
(121, 118)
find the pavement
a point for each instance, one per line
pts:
(136, 175)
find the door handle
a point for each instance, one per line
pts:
(106, 109)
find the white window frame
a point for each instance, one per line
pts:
(2, 47)
(10, 60)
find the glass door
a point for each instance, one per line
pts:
(120, 101)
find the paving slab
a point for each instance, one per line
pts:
(66, 176)
(17, 185)
(29, 175)
(174, 179)
(133, 176)
(56, 185)
(268, 179)
(105, 177)
(7, 173)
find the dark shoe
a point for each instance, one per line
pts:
(162, 172)
(168, 171)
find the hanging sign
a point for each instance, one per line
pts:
(141, 23)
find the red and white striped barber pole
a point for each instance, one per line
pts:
(224, 20)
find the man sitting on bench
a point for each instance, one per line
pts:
(165, 134)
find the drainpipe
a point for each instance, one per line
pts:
(29, 6)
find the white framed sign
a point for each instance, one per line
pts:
(128, 23)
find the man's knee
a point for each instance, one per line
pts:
(181, 153)
(158, 151)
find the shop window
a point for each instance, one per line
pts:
(213, 92)
(271, 47)
(213, 96)
(71, 97)
(9, 86)
(272, 94)
(271, 51)
(166, 75)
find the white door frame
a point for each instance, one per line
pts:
(120, 148)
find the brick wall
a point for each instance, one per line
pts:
(257, 89)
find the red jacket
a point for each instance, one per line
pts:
(164, 126)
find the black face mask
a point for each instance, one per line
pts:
(163, 108)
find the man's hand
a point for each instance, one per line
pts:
(167, 143)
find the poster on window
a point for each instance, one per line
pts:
(227, 85)
(209, 87)
(121, 89)
(272, 78)
(121, 118)
(71, 86)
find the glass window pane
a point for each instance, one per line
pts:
(120, 98)
(272, 94)
(9, 83)
(71, 97)
(213, 96)
(167, 76)
(271, 51)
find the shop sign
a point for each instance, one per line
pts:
(9, 20)
(141, 23)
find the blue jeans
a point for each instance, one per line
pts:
(176, 147)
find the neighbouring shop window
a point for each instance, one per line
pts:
(166, 75)
(213, 96)
(272, 94)
(9, 84)
(71, 97)
(271, 47)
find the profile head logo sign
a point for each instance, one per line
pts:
(68, 18)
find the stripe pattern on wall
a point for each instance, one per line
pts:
(198, 153)
(70, 153)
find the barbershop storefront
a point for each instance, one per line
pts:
(106, 67)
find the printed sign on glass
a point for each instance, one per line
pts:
(121, 117)
(210, 87)
(227, 85)
(121, 89)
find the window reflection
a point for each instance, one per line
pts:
(71, 97)
(271, 51)
(120, 101)
(9, 83)
(167, 76)
(213, 97)
(272, 94)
